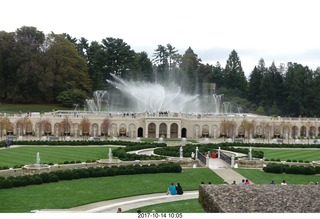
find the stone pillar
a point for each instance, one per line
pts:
(219, 152)
(197, 149)
(179, 131)
(157, 130)
(232, 161)
(168, 131)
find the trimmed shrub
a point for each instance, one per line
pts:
(6, 184)
(273, 168)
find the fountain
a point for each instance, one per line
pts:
(250, 153)
(154, 97)
(160, 140)
(110, 155)
(99, 101)
(217, 100)
(138, 139)
(249, 161)
(35, 168)
(38, 160)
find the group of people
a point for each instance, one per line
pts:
(175, 189)
(245, 182)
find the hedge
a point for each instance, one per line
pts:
(72, 174)
(284, 168)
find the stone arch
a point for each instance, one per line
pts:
(56, 129)
(214, 131)
(276, 131)
(163, 130)
(312, 132)
(205, 131)
(241, 131)
(132, 131)
(196, 131)
(10, 129)
(113, 130)
(259, 131)
(47, 128)
(94, 130)
(140, 132)
(295, 132)
(183, 133)
(152, 130)
(76, 129)
(303, 131)
(19, 128)
(123, 130)
(174, 130)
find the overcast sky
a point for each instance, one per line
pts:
(275, 30)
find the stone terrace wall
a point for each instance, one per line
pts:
(260, 198)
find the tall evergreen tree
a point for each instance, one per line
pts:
(254, 92)
(298, 84)
(189, 65)
(234, 77)
(118, 57)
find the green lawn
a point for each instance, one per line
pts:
(15, 108)
(260, 177)
(185, 206)
(292, 154)
(51, 154)
(67, 194)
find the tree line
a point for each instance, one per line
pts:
(46, 68)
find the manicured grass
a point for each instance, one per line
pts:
(260, 177)
(51, 154)
(185, 206)
(292, 154)
(15, 108)
(67, 194)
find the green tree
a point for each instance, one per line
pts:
(142, 70)
(67, 69)
(119, 57)
(254, 92)
(189, 65)
(28, 55)
(271, 90)
(234, 77)
(71, 97)
(96, 66)
(298, 86)
(161, 61)
(8, 64)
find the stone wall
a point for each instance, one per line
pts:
(260, 198)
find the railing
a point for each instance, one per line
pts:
(225, 158)
(202, 158)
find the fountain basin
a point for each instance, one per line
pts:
(35, 168)
(250, 163)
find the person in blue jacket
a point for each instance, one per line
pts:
(172, 190)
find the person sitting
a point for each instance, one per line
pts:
(283, 182)
(172, 190)
(179, 189)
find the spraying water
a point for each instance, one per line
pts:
(155, 97)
